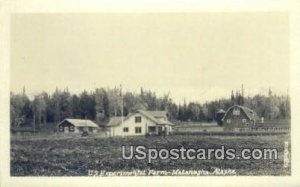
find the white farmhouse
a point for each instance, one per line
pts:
(140, 123)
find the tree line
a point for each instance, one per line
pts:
(102, 103)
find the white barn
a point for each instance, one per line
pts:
(140, 123)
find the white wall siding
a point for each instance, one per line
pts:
(131, 125)
(77, 130)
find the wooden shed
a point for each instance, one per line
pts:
(219, 116)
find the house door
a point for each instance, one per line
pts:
(66, 129)
(160, 130)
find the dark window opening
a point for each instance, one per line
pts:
(138, 119)
(72, 128)
(138, 130)
(125, 129)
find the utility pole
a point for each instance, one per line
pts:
(242, 90)
(24, 91)
(242, 95)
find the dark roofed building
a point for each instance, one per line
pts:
(219, 116)
(239, 116)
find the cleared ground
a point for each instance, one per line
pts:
(75, 156)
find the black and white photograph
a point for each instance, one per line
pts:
(150, 94)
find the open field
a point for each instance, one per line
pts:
(75, 156)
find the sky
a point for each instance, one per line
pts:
(192, 56)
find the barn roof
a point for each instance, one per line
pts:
(151, 115)
(80, 122)
(251, 114)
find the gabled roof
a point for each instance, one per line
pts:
(151, 115)
(251, 114)
(80, 122)
(115, 120)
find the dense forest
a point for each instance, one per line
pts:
(100, 104)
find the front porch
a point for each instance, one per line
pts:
(158, 130)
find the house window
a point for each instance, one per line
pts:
(125, 129)
(228, 121)
(244, 120)
(138, 130)
(72, 128)
(138, 119)
(61, 128)
(236, 111)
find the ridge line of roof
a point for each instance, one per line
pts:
(240, 106)
(143, 112)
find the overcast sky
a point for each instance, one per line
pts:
(196, 56)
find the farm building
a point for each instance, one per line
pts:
(77, 126)
(140, 123)
(238, 117)
(219, 116)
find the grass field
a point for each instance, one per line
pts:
(75, 156)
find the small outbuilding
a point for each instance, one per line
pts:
(77, 126)
(219, 116)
